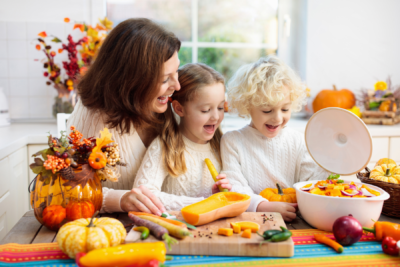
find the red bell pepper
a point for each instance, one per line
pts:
(389, 246)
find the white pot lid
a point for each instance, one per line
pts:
(338, 141)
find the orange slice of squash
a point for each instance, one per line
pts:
(219, 205)
(254, 227)
(247, 233)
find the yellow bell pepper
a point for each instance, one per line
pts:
(138, 253)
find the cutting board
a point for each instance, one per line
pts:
(206, 241)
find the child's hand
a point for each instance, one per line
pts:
(223, 182)
(287, 210)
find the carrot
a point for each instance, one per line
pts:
(158, 231)
(173, 230)
(329, 242)
(177, 223)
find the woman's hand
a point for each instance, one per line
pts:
(287, 210)
(141, 199)
(223, 182)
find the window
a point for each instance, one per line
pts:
(223, 34)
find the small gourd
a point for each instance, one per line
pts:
(84, 235)
(386, 173)
(385, 161)
(97, 160)
(283, 195)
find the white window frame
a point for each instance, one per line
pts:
(195, 44)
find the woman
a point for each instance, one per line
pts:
(127, 89)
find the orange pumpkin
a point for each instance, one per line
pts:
(334, 98)
(97, 160)
(388, 106)
(385, 161)
(79, 209)
(279, 194)
(53, 215)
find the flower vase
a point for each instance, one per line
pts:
(65, 101)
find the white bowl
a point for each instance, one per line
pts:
(322, 211)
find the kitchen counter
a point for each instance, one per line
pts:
(18, 135)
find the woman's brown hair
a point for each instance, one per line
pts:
(124, 79)
(192, 77)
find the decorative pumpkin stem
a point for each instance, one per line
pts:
(388, 172)
(334, 88)
(280, 192)
(91, 219)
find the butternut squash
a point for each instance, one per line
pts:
(225, 231)
(236, 228)
(219, 205)
(254, 227)
(246, 233)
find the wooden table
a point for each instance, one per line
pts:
(29, 231)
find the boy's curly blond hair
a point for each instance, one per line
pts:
(261, 83)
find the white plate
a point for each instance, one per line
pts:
(338, 141)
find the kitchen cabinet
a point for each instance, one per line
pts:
(32, 149)
(14, 197)
(6, 210)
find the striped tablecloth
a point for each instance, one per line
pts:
(367, 252)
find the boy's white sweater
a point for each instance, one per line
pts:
(253, 162)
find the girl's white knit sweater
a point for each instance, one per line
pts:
(178, 192)
(253, 162)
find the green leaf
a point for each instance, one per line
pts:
(46, 181)
(39, 161)
(340, 181)
(56, 40)
(333, 176)
(374, 105)
(36, 168)
(59, 149)
(46, 152)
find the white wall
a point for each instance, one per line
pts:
(21, 67)
(352, 43)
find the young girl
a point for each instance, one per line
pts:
(173, 167)
(267, 152)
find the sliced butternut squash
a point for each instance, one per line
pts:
(236, 228)
(247, 233)
(254, 227)
(225, 231)
(219, 205)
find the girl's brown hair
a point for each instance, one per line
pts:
(124, 79)
(192, 78)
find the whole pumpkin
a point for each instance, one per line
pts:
(387, 173)
(279, 194)
(79, 209)
(385, 161)
(97, 160)
(84, 235)
(334, 98)
(53, 215)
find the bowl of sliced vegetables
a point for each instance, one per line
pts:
(322, 202)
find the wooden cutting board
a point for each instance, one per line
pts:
(206, 241)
